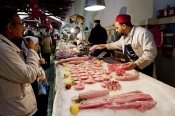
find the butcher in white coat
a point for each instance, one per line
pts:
(137, 44)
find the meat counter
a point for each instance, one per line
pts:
(163, 94)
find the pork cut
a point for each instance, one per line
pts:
(118, 68)
(72, 59)
(128, 76)
(131, 100)
(76, 62)
(111, 85)
(93, 94)
(89, 81)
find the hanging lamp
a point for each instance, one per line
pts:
(94, 5)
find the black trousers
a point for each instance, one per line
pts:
(46, 56)
(42, 100)
(147, 70)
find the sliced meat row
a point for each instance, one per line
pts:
(131, 100)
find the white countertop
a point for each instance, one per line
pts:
(163, 94)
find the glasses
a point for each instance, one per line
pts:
(17, 24)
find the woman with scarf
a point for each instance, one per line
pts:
(41, 77)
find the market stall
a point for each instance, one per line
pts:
(160, 92)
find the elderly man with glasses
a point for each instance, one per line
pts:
(16, 75)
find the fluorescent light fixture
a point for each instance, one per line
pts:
(72, 30)
(95, 8)
(22, 13)
(94, 5)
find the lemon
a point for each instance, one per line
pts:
(98, 62)
(66, 74)
(74, 109)
(64, 64)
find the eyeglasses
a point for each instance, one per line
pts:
(17, 23)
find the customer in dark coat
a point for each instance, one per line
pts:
(98, 35)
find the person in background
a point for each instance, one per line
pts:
(80, 36)
(29, 33)
(46, 52)
(68, 36)
(53, 42)
(98, 35)
(16, 75)
(47, 31)
(40, 38)
(62, 35)
(137, 44)
(41, 77)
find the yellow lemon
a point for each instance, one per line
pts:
(74, 109)
(66, 74)
(64, 64)
(98, 62)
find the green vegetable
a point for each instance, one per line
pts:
(71, 81)
(79, 100)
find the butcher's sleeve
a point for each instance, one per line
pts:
(115, 45)
(149, 50)
(14, 69)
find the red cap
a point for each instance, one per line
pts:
(123, 18)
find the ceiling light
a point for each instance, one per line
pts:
(94, 5)
(72, 30)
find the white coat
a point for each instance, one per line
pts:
(142, 44)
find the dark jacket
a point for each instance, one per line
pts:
(98, 35)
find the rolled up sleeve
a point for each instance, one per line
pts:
(149, 50)
(115, 45)
(14, 69)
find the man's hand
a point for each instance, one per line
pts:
(94, 47)
(42, 61)
(28, 43)
(129, 66)
(42, 78)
